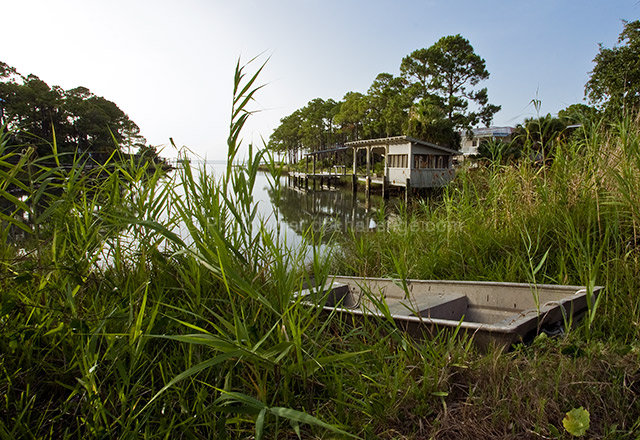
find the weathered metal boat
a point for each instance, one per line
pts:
(493, 313)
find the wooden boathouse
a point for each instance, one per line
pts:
(407, 162)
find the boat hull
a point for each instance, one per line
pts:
(493, 313)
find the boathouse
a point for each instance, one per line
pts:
(408, 162)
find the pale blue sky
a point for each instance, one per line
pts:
(169, 64)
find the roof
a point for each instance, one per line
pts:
(493, 131)
(327, 151)
(398, 140)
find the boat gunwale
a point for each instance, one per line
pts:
(522, 319)
(475, 283)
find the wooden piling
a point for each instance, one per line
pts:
(367, 188)
(407, 191)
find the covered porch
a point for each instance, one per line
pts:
(405, 162)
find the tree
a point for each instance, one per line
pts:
(32, 108)
(499, 152)
(429, 101)
(539, 134)
(388, 106)
(149, 153)
(614, 84)
(578, 114)
(317, 128)
(97, 122)
(429, 123)
(80, 120)
(287, 137)
(445, 74)
(417, 70)
(352, 116)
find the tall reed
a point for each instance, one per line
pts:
(572, 221)
(141, 302)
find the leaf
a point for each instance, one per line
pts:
(233, 396)
(539, 266)
(301, 417)
(554, 431)
(576, 422)
(250, 404)
(260, 424)
(310, 366)
(59, 327)
(190, 372)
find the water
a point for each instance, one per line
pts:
(298, 212)
(320, 214)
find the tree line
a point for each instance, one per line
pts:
(79, 121)
(435, 96)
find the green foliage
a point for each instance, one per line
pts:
(317, 128)
(416, 68)
(539, 137)
(79, 120)
(443, 75)
(310, 128)
(352, 116)
(149, 153)
(139, 304)
(428, 122)
(614, 84)
(388, 106)
(499, 152)
(573, 221)
(287, 136)
(579, 114)
(576, 422)
(430, 101)
(577, 214)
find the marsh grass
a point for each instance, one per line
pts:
(140, 304)
(572, 221)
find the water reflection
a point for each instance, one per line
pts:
(299, 211)
(329, 210)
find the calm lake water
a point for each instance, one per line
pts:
(322, 212)
(329, 210)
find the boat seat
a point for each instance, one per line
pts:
(335, 292)
(451, 306)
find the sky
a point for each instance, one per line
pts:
(169, 65)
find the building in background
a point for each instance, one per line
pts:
(479, 135)
(409, 162)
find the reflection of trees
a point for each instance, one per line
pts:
(335, 211)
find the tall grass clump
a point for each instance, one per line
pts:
(571, 220)
(141, 303)
(137, 302)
